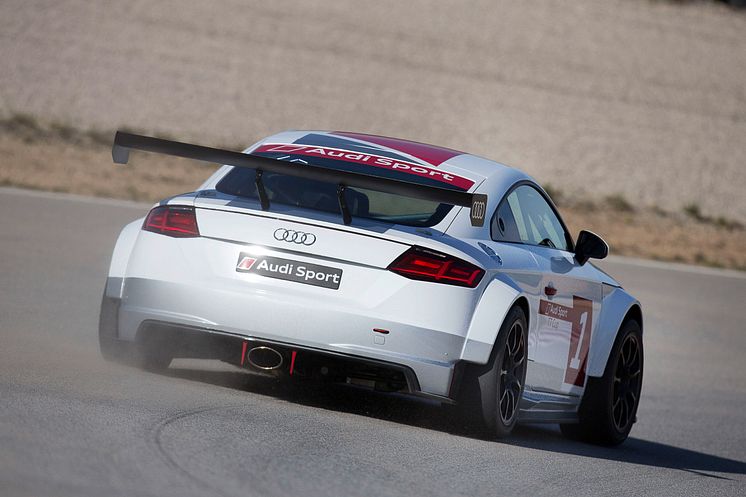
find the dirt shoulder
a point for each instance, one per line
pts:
(58, 158)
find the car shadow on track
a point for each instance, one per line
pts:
(425, 414)
(633, 450)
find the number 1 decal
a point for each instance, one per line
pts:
(575, 361)
(580, 316)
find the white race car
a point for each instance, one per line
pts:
(385, 263)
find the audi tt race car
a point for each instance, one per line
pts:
(383, 263)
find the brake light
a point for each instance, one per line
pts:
(172, 220)
(428, 265)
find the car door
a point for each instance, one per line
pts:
(567, 304)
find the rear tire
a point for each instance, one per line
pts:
(155, 352)
(112, 349)
(117, 351)
(134, 355)
(609, 406)
(151, 355)
(155, 362)
(491, 393)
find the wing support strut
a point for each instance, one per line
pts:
(124, 142)
(263, 198)
(343, 207)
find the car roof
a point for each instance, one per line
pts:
(472, 168)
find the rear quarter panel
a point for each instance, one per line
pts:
(120, 258)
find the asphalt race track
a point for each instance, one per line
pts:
(72, 424)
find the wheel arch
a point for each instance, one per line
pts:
(618, 307)
(634, 312)
(498, 298)
(120, 258)
(522, 302)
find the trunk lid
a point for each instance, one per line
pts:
(301, 231)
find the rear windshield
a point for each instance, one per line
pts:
(322, 196)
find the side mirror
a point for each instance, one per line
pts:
(590, 246)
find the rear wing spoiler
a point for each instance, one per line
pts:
(124, 142)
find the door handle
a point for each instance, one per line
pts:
(550, 291)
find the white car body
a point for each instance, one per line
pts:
(432, 329)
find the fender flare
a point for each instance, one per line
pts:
(120, 258)
(498, 298)
(618, 306)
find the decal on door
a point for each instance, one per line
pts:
(579, 317)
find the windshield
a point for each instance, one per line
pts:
(322, 196)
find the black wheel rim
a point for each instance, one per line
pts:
(627, 381)
(512, 373)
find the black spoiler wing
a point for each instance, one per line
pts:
(124, 142)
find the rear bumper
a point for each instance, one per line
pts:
(427, 359)
(299, 362)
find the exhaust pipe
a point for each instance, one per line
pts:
(265, 358)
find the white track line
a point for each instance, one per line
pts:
(677, 266)
(75, 198)
(614, 259)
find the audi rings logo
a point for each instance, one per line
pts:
(292, 236)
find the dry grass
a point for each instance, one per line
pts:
(59, 158)
(653, 234)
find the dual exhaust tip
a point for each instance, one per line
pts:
(265, 358)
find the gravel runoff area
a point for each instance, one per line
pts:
(643, 99)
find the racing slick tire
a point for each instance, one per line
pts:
(154, 353)
(129, 354)
(115, 351)
(491, 393)
(149, 355)
(112, 349)
(609, 406)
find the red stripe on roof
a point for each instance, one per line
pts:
(354, 157)
(429, 153)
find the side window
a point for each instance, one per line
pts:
(504, 226)
(524, 216)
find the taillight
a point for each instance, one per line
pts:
(428, 265)
(172, 220)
